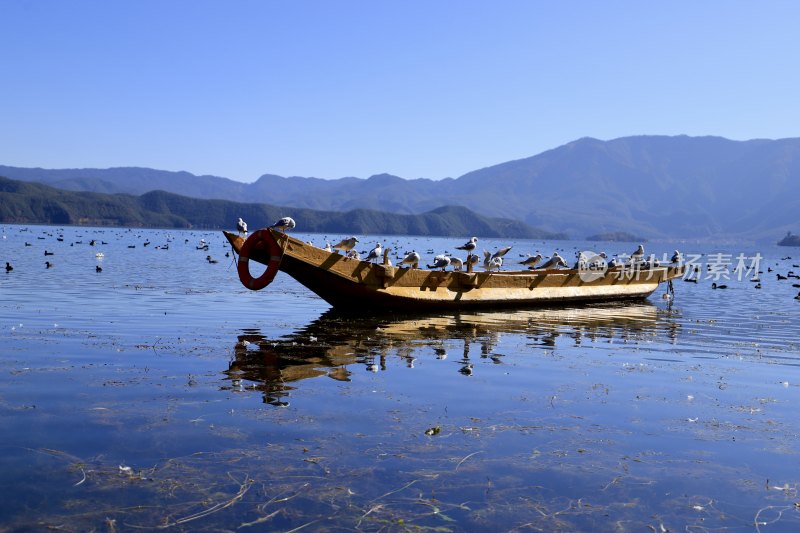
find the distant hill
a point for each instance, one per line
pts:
(790, 240)
(651, 186)
(27, 203)
(615, 236)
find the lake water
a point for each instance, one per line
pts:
(160, 393)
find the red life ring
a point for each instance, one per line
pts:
(257, 240)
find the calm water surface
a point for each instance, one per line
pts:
(159, 393)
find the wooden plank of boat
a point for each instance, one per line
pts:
(350, 283)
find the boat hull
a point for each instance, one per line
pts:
(348, 283)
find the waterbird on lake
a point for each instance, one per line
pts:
(284, 224)
(797, 297)
(241, 226)
(531, 260)
(469, 246)
(48, 253)
(98, 268)
(211, 260)
(757, 286)
(440, 261)
(412, 258)
(9, 268)
(48, 264)
(346, 244)
(780, 277)
(715, 286)
(375, 253)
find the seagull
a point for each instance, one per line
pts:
(554, 262)
(636, 257)
(487, 257)
(501, 252)
(9, 268)
(284, 224)
(440, 261)
(473, 260)
(328, 247)
(676, 257)
(531, 260)
(241, 225)
(375, 253)
(456, 263)
(412, 258)
(590, 261)
(494, 263)
(346, 244)
(469, 246)
(353, 254)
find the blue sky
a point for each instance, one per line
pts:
(419, 89)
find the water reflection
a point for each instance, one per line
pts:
(335, 343)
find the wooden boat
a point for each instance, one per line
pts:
(348, 283)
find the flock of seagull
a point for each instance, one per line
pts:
(492, 261)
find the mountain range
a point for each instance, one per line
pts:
(657, 187)
(26, 203)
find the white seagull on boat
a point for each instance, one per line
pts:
(412, 258)
(638, 255)
(501, 252)
(284, 224)
(375, 253)
(456, 263)
(469, 246)
(440, 261)
(554, 262)
(531, 260)
(346, 244)
(241, 226)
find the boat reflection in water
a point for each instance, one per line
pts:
(335, 342)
